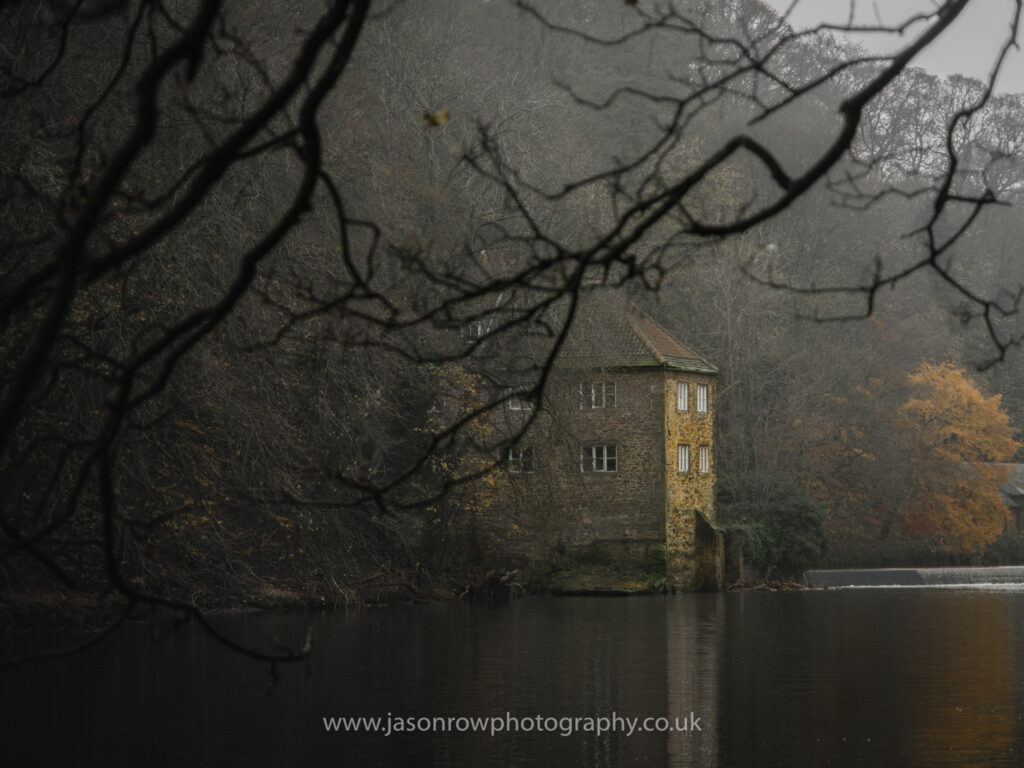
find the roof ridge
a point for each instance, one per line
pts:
(614, 332)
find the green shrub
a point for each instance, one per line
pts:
(780, 523)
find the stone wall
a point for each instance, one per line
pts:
(644, 515)
(558, 512)
(690, 494)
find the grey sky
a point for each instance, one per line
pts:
(968, 47)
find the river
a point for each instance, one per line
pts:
(841, 678)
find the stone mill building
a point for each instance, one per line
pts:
(618, 467)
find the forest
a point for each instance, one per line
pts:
(263, 262)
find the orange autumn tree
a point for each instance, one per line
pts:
(958, 437)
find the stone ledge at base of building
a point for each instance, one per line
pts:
(605, 580)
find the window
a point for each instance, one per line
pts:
(475, 329)
(598, 458)
(683, 396)
(684, 458)
(520, 460)
(702, 398)
(597, 394)
(517, 402)
(704, 458)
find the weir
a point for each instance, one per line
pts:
(914, 577)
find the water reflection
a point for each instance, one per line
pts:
(908, 677)
(902, 677)
(693, 644)
(562, 659)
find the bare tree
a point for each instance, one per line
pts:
(196, 216)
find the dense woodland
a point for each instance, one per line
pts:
(265, 266)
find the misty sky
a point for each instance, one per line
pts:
(969, 46)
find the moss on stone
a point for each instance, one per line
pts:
(606, 579)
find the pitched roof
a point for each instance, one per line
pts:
(611, 333)
(667, 350)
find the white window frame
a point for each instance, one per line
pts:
(520, 460)
(702, 398)
(596, 394)
(475, 330)
(599, 458)
(517, 402)
(684, 458)
(683, 396)
(704, 459)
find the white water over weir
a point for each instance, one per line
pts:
(914, 577)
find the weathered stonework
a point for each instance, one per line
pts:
(690, 494)
(645, 514)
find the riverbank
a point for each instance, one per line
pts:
(90, 611)
(770, 586)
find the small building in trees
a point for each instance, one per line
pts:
(1012, 493)
(615, 473)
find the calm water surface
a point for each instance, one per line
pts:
(851, 677)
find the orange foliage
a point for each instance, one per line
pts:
(958, 436)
